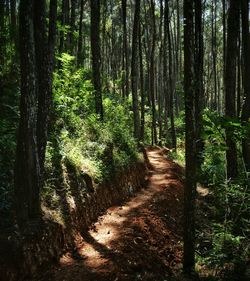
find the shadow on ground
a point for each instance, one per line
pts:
(139, 240)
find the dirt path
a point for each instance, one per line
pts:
(139, 240)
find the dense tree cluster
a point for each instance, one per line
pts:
(160, 59)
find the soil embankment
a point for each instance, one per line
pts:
(40, 245)
(137, 240)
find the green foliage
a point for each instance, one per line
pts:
(226, 247)
(88, 144)
(224, 238)
(180, 124)
(214, 165)
(73, 93)
(213, 168)
(229, 235)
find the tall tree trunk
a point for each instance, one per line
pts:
(246, 55)
(230, 84)
(165, 75)
(96, 55)
(52, 32)
(199, 89)
(27, 170)
(190, 140)
(41, 53)
(160, 74)
(80, 34)
(61, 42)
(134, 75)
(67, 23)
(44, 49)
(72, 26)
(52, 36)
(13, 21)
(178, 43)
(239, 76)
(214, 52)
(224, 41)
(64, 21)
(142, 88)
(2, 40)
(171, 78)
(152, 72)
(125, 49)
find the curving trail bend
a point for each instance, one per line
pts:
(139, 240)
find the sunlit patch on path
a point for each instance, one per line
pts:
(139, 240)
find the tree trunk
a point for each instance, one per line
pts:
(165, 75)
(160, 74)
(199, 89)
(214, 53)
(152, 72)
(190, 140)
(61, 43)
(230, 84)
(64, 21)
(171, 78)
(224, 41)
(239, 76)
(2, 40)
(52, 33)
(41, 52)
(134, 75)
(246, 55)
(80, 41)
(13, 29)
(125, 49)
(142, 88)
(44, 49)
(96, 55)
(27, 170)
(72, 26)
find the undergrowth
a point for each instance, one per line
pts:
(77, 138)
(222, 250)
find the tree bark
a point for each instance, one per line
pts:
(72, 26)
(44, 49)
(224, 41)
(41, 53)
(64, 21)
(214, 53)
(246, 81)
(230, 85)
(142, 87)
(134, 75)
(199, 89)
(2, 40)
(96, 55)
(125, 49)
(165, 82)
(80, 35)
(190, 140)
(171, 78)
(27, 170)
(152, 72)
(13, 21)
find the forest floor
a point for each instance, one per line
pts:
(139, 240)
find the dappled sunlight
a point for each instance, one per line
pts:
(140, 233)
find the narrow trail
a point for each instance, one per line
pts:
(139, 240)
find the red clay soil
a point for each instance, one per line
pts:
(140, 240)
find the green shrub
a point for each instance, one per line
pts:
(87, 143)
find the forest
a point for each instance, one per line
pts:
(124, 140)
